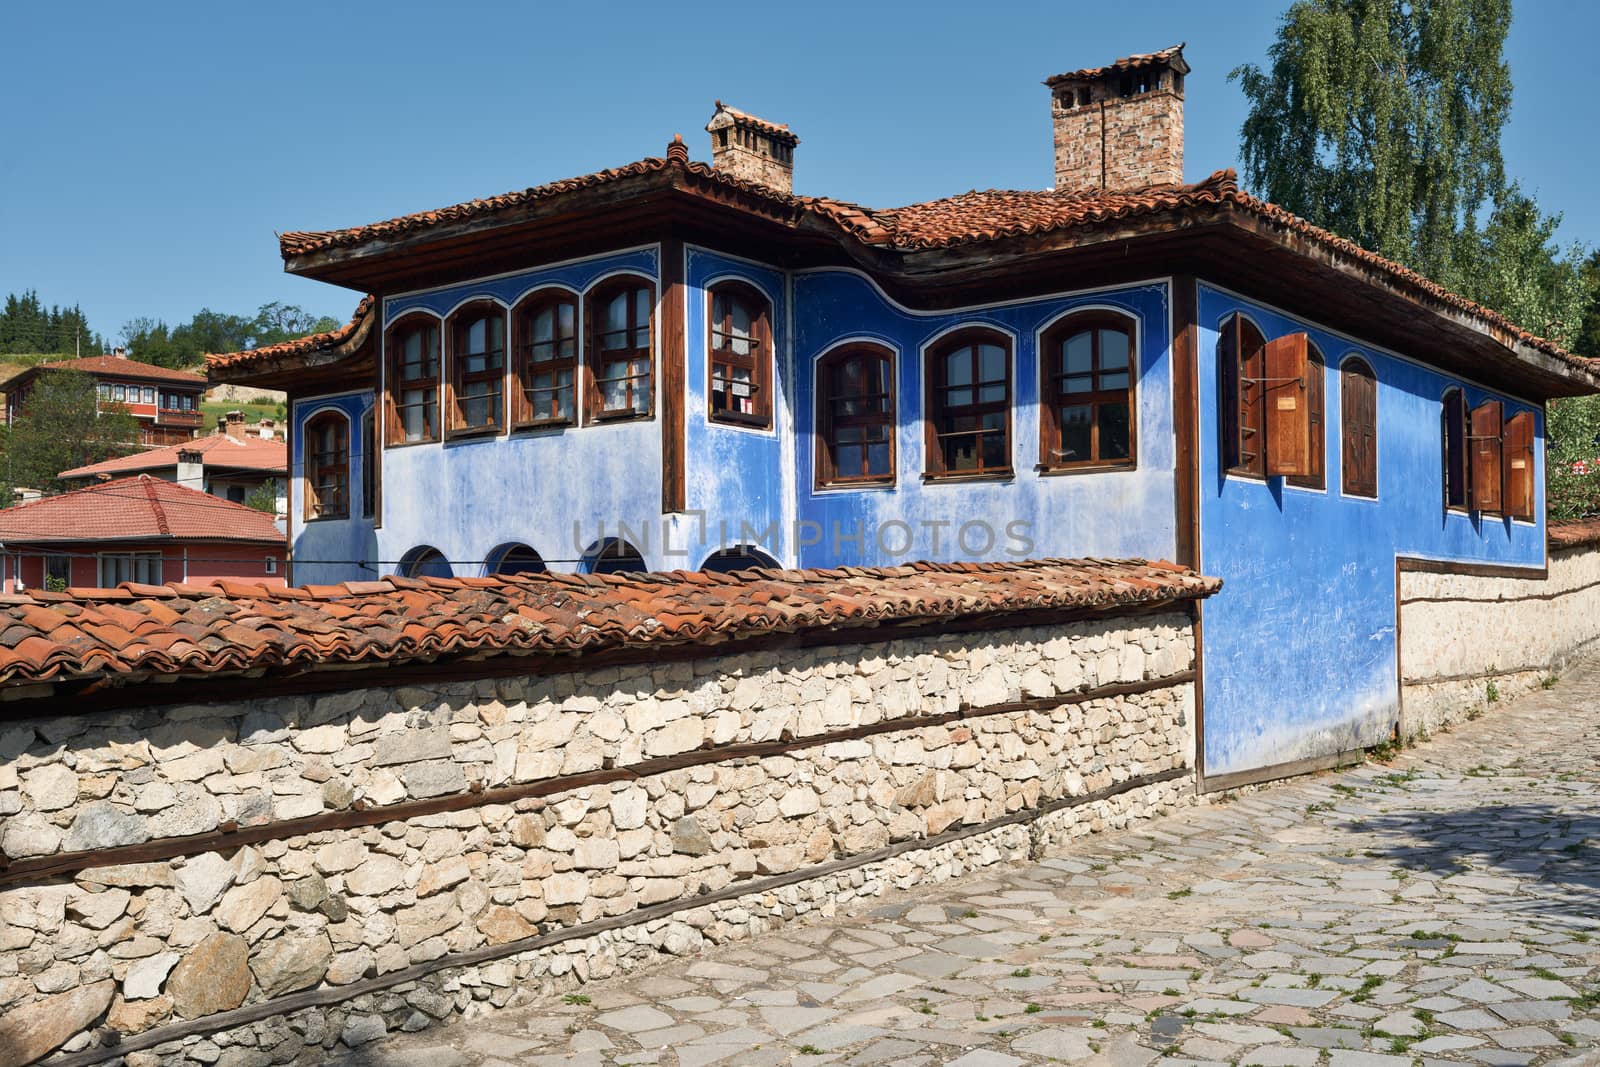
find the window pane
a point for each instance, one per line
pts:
(477, 336)
(740, 328)
(1076, 438)
(569, 333)
(614, 390)
(958, 369)
(1113, 419)
(1115, 380)
(1078, 353)
(1079, 383)
(1113, 349)
(878, 457)
(641, 385)
(992, 364)
(993, 393)
(994, 441)
(957, 398)
(641, 311)
(544, 329)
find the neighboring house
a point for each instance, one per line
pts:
(671, 364)
(138, 529)
(232, 463)
(165, 402)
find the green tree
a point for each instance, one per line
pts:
(60, 428)
(264, 497)
(1381, 121)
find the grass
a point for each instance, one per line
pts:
(810, 1050)
(212, 410)
(1368, 984)
(1491, 693)
(1033, 1009)
(575, 998)
(1547, 682)
(1179, 894)
(1022, 972)
(1324, 805)
(969, 914)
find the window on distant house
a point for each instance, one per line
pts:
(1240, 368)
(413, 380)
(969, 405)
(1315, 476)
(618, 358)
(57, 573)
(1088, 389)
(740, 355)
(119, 392)
(327, 460)
(855, 416)
(1517, 454)
(1358, 428)
(236, 494)
(477, 358)
(547, 359)
(114, 568)
(1453, 434)
(104, 389)
(147, 395)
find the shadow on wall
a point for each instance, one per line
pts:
(1558, 848)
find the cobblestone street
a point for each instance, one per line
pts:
(1441, 908)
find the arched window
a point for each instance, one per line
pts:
(327, 466)
(515, 559)
(1241, 366)
(425, 561)
(855, 416)
(1089, 367)
(619, 355)
(1453, 448)
(413, 380)
(547, 359)
(737, 558)
(969, 404)
(613, 556)
(740, 355)
(477, 335)
(1316, 477)
(1358, 428)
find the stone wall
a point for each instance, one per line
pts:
(384, 857)
(1467, 642)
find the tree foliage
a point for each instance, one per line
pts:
(27, 326)
(153, 341)
(61, 427)
(1381, 121)
(264, 497)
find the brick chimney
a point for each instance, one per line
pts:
(754, 149)
(1120, 127)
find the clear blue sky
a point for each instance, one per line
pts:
(154, 150)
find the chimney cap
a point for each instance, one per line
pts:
(1168, 57)
(778, 131)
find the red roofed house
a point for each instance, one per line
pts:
(165, 402)
(138, 529)
(230, 463)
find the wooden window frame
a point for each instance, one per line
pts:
(758, 362)
(1242, 396)
(524, 408)
(1519, 494)
(369, 464)
(827, 422)
(1316, 421)
(394, 386)
(935, 412)
(318, 468)
(457, 378)
(1354, 483)
(594, 307)
(1051, 372)
(1457, 477)
(1486, 458)
(149, 562)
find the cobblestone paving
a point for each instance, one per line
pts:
(1441, 908)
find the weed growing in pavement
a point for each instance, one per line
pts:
(1022, 972)
(575, 998)
(1548, 681)
(1179, 894)
(1325, 805)
(1364, 994)
(810, 1050)
(1491, 693)
(1033, 1009)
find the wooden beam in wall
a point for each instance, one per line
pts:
(1186, 417)
(674, 310)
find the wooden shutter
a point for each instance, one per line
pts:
(1358, 407)
(1485, 451)
(1518, 445)
(1288, 428)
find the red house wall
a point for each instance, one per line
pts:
(197, 563)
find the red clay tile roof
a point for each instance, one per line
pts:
(970, 218)
(779, 130)
(141, 508)
(138, 630)
(299, 346)
(219, 451)
(1573, 533)
(124, 368)
(1133, 62)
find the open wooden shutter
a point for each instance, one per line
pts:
(1358, 428)
(1484, 450)
(1288, 436)
(1518, 445)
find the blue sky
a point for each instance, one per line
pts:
(154, 150)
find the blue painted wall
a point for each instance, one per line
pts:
(1300, 643)
(326, 551)
(1117, 513)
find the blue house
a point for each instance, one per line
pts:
(680, 365)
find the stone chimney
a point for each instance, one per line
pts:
(120, 352)
(756, 150)
(266, 429)
(232, 424)
(192, 468)
(1120, 127)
